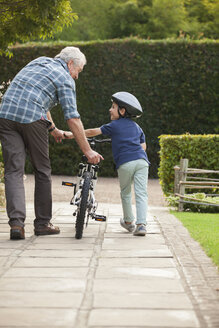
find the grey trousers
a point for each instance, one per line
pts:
(17, 139)
(137, 172)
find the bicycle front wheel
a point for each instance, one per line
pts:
(79, 227)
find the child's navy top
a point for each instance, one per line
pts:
(127, 137)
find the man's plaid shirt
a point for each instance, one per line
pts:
(38, 87)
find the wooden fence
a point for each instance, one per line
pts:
(195, 182)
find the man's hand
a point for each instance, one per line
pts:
(93, 157)
(58, 135)
(76, 126)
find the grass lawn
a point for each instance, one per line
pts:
(204, 228)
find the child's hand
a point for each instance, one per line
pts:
(68, 135)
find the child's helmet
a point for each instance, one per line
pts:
(129, 102)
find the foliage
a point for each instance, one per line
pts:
(201, 151)
(203, 17)
(3, 88)
(32, 19)
(152, 19)
(94, 21)
(173, 201)
(176, 83)
(204, 229)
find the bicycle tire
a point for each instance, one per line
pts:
(79, 226)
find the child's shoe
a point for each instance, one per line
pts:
(130, 227)
(140, 230)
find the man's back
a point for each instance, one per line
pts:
(34, 90)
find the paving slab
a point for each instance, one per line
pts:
(40, 299)
(148, 285)
(2, 261)
(42, 284)
(51, 262)
(62, 246)
(136, 272)
(143, 318)
(133, 242)
(155, 251)
(70, 273)
(139, 300)
(150, 262)
(12, 317)
(56, 253)
(64, 240)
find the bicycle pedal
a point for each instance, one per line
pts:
(68, 184)
(99, 217)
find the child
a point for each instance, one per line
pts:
(128, 147)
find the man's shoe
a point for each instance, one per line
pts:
(130, 227)
(140, 230)
(17, 232)
(47, 229)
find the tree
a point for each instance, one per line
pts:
(94, 21)
(158, 19)
(167, 18)
(130, 17)
(203, 17)
(24, 20)
(155, 19)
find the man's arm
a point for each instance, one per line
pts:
(76, 127)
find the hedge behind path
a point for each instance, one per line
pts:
(176, 82)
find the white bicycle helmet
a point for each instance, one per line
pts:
(129, 102)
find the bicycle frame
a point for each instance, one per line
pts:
(84, 191)
(91, 204)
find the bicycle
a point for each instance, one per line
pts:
(84, 191)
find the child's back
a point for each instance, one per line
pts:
(127, 137)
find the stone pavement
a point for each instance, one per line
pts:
(109, 278)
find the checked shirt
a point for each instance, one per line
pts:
(38, 87)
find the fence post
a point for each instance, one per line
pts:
(182, 177)
(176, 179)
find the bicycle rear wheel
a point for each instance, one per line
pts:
(79, 227)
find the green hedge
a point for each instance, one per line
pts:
(175, 81)
(201, 150)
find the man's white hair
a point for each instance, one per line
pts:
(72, 53)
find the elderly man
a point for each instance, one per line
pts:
(25, 121)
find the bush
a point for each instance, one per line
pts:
(173, 201)
(201, 150)
(175, 81)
